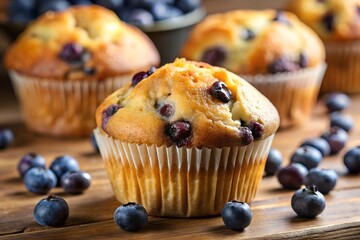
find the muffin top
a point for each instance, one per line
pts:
(331, 19)
(188, 104)
(83, 42)
(255, 42)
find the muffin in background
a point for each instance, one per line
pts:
(186, 139)
(65, 63)
(338, 24)
(274, 51)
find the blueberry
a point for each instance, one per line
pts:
(308, 202)
(151, 70)
(248, 34)
(71, 52)
(131, 216)
(75, 182)
(6, 138)
(165, 109)
(107, 113)
(308, 156)
(273, 161)
(215, 55)
(111, 4)
(324, 179)
(138, 17)
(257, 129)
(219, 90)
(236, 215)
(246, 136)
(337, 102)
(342, 121)
(138, 77)
(142, 3)
(352, 160)
(21, 11)
(292, 176)
(94, 142)
(179, 132)
(161, 11)
(337, 138)
(281, 17)
(21, 18)
(303, 60)
(328, 21)
(39, 180)
(52, 5)
(29, 161)
(320, 144)
(62, 165)
(89, 71)
(22, 5)
(283, 64)
(52, 211)
(187, 5)
(80, 2)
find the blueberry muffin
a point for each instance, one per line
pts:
(68, 62)
(338, 24)
(186, 138)
(273, 50)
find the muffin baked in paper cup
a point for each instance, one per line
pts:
(183, 182)
(62, 108)
(342, 75)
(294, 94)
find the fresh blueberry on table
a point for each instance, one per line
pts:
(131, 216)
(29, 161)
(62, 165)
(337, 102)
(292, 176)
(337, 139)
(308, 202)
(52, 211)
(75, 182)
(352, 160)
(6, 138)
(324, 179)
(319, 143)
(39, 180)
(308, 156)
(342, 121)
(187, 5)
(236, 215)
(273, 161)
(51, 5)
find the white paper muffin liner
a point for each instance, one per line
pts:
(62, 108)
(343, 59)
(294, 94)
(183, 182)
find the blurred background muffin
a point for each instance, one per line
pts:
(67, 62)
(338, 24)
(273, 50)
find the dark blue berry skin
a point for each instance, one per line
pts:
(283, 64)
(107, 113)
(352, 160)
(138, 77)
(29, 161)
(273, 161)
(308, 202)
(292, 176)
(39, 180)
(303, 60)
(131, 216)
(337, 102)
(75, 182)
(6, 138)
(257, 129)
(111, 4)
(179, 132)
(187, 5)
(308, 156)
(324, 179)
(21, 11)
(165, 109)
(94, 143)
(80, 2)
(342, 121)
(62, 165)
(248, 34)
(337, 138)
(161, 11)
(71, 52)
(320, 144)
(52, 5)
(246, 136)
(236, 215)
(219, 90)
(138, 17)
(52, 211)
(328, 21)
(215, 55)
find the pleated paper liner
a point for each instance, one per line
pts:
(183, 182)
(343, 73)
(62, 108)
(294, 94)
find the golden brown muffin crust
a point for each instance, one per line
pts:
(270, 40)
(114, 47)
(186, 86)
